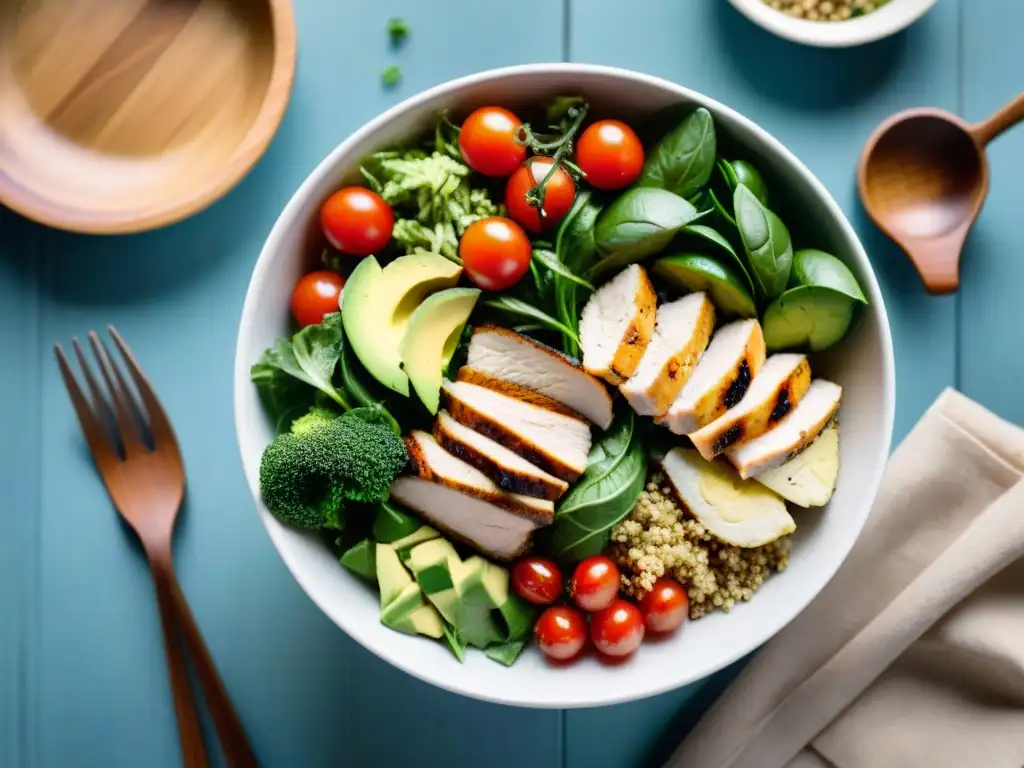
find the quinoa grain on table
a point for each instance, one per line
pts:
(658, 539)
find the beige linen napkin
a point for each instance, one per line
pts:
(913, 655)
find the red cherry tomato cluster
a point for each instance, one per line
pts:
(495, 252)
(608, 152)
(616, 627)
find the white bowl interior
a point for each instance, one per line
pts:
(887, 20)
(862, 364)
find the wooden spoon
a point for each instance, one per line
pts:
(923, 177)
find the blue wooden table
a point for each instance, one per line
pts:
(82, 676)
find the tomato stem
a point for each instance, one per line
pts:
(561, 146)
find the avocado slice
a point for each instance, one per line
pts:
(392, 523)
(431, 338)
(378, 304)
(429, 564)
(361, 559)
(392, 577)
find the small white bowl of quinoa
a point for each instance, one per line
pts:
(833, 23)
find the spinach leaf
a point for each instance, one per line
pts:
(607, 492)
(456, 643)
(711, 235)
(550, 262)
(720, 209)
(358, 391)
(284, 397)
(814, 267)
(751, 178)
(510, 305)
(639, 224)
(506, 653)
(683, 160)
(310, 357)
(575, 248)
(574, 242)
(766, 241)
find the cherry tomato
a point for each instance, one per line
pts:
(488, 141)
(595, 583)
(316, 295)
(495, 253)
(610, 154)
(357, 221)
(559, 194)
(561, 632)
(618, 630)
(665, 607)
(537, 580)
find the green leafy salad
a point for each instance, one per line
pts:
(558, 345)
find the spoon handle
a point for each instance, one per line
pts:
(1005, 118)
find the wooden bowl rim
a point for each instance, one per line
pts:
(249, 150)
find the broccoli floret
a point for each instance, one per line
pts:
(308, 474)
(317, 416)
(370, 456)
(297, 482)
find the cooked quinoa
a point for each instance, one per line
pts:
(659, 538)
(826, 10)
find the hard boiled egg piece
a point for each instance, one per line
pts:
(809, 478)
(740, 512)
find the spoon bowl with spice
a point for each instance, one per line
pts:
(833, 23)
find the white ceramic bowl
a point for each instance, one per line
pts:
(887, 20)
(862, 363)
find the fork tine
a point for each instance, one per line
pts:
(100, 405)
(128, 426)
(159, 424)
(95, 435)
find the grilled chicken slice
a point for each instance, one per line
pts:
(431, 462)
(616, 325)
(505, 387)
(791, 435)
(496, 532)
(774, 392)
(512, 357)
(721, 378)
(506, 469)
(556, 443)
(681, 335)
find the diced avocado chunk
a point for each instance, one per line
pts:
(361, 559)
(475, 622)
(483, 584)
(378, 304)
(392, 523)
(425, 620)
(431, 338)
(408, 613)
(398, 610)
(423, 533)
(429, 564)
(392, 577)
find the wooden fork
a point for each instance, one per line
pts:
(137, 456)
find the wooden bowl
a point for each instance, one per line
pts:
(126, 115)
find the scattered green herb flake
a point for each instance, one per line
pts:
(391, 76)
(398, 30)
